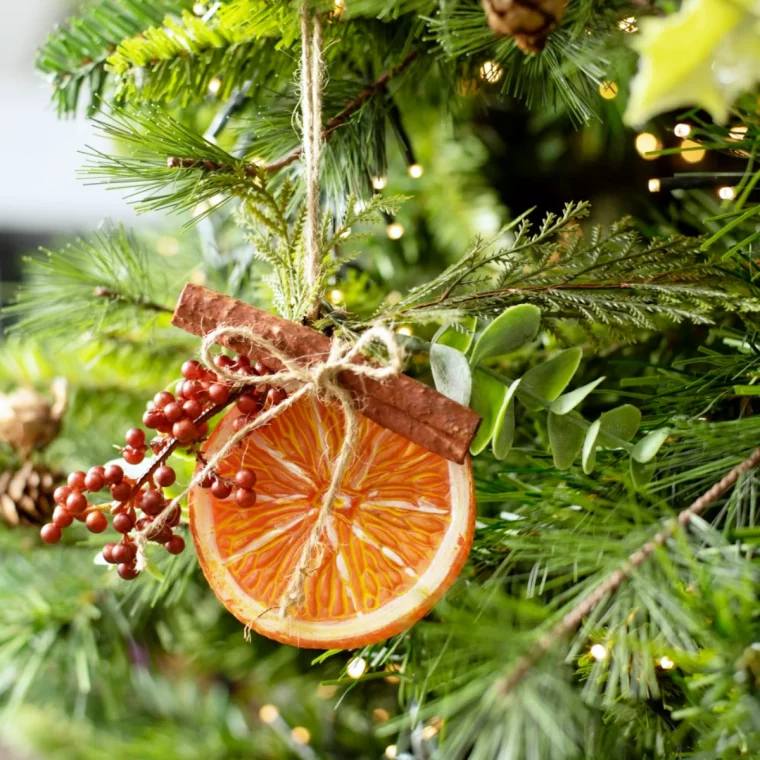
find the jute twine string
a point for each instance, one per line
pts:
(312, 81)
(320, 379)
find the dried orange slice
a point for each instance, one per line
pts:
(398, 536)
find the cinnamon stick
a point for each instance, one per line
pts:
(400, 404)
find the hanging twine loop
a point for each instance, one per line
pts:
(319, 379)
(312, 82)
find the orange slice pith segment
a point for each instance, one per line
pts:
(398, 535)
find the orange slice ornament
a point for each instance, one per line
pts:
(398, 534)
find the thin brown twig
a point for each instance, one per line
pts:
(332, 125)
(575, 616)
(101, 291)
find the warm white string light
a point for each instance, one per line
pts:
(395, 230)
(268, 714)
(491, 72)
(647, 143)
(726, 193)
(415, 171)
(682, 130)
(654, 185)
(693, 153)
(599, 652)
(356, 668)
(379, 182)
(608, 90)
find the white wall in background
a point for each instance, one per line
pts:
(39, 189)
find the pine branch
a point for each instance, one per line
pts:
(586, 606)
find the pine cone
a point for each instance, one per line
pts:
(26, 495)
(28, 420)
(530, 22)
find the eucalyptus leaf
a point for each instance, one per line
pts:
(549, 379)
(588, 456)
(621, 422)
(646, 449)
(457, 337)
(451, 373)
(504, 428)
(566, 438)
(641, 474)
(509, 332)
(487, 400)
(568, 401)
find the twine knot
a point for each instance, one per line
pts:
(319, 378)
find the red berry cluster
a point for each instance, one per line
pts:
(180, 420)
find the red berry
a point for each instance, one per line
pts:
(113, 474)
(223, 360)
(220, 489)
(96, 522)
(192, 370)
(50, 533)
(157, 444)
(163, 399)
(218, 393)
(121, 491)
(94, 480)
(123, 523)
(108, 553)
(76, 503)
(207, 482)
(241, 360)
(185, 430)
(191, 389)
(245, 479)
(248, 403)
(240, 422)
(152, 503)
(133, 456)
(61, 494)
(245, 498)
(153, 419)
(174, 412)
(174, 517)
(161, 535)
(166, 428)
(124, 553)
(275, 396)
(164, 476)
(62, 517)
(202, 429)
(76, 480)
(193, 408)
(175, 545)
(261, 369)
(128, 572)
(143, 523)
(135, 438)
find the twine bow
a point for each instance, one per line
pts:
(319, 378)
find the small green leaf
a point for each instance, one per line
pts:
(568, 401)
(549, 379)
(566, 439)
(504, 428)
(641, 474)
(646, 449)
(747, 390)
(461, 339)
(621, 422)
(451, 373)
(487, 399)
(510, 331)
(588, 457)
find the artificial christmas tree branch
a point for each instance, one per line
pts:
(575, 616)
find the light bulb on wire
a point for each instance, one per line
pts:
(682, 130)
(378, 183)
(647, 143)
(608, 90)
(726, 193)
(395, 230)
(356, 667)
(693, 152)
(214, 86)
(491, 72)
(598, 652)
(415, 171)
(654, 185)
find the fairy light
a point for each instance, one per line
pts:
(268, 714)
(608, 90)
(682, 130)
(391, 752)
(628, 25)
(395, 230)
(666, 663)
(691, 156)
(356, 667)
(726, 193)
(214, 86)
(393, 667)
(380, 715)
(738, 133)
(300, 735)
(404, 330)
(429, 732)
(654, 185)
(199, 9)
(167, 246)
(491, 72)
(335, 296)
(326, 691)
(198, 277)
(415, 171)
(598, 652)
(339, 8)
(646, 143)
(379, 182)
